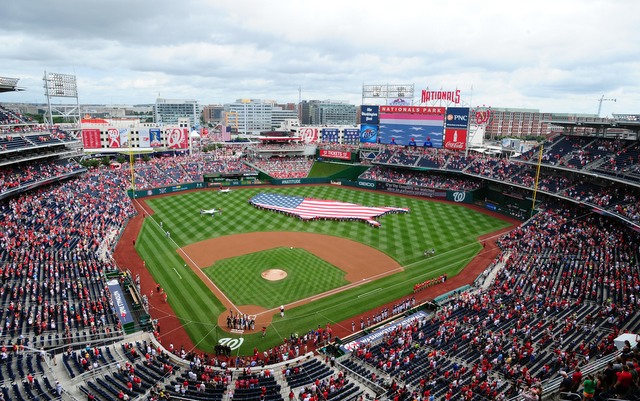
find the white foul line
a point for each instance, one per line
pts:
(369, 292)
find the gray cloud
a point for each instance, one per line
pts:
(552, 56)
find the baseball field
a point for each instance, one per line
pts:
(327, 271)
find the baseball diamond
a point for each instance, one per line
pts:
(220, 278)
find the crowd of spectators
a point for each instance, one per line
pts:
(278, 147)
(343, 147)
(568, 286)
(54, 245)
(12, 118)
(284, 167)
(612, 197)
(173, 170)
(421, 178)
(18, 175)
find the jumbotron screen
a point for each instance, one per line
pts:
(412, 125)
(424, 126)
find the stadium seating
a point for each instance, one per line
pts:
(568, 285)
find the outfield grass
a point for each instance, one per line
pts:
(326, 169)
(307, 275)
(451, 229)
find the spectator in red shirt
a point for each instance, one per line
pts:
(624, 382)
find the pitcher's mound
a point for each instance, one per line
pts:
(274, 274)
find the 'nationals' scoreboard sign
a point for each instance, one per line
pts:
(429, 96)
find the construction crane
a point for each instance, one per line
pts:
(603, 99)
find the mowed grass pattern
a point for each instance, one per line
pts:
(307, 275)
(402, 236)
(451, 229)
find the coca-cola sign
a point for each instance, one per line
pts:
(455, 139)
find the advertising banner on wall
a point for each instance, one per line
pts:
(124, 137)
(351, 135)
(457, 117)
(400, 101)
(378, 335)
(369, 115)
(155, 137)
(309, 134)
(407, 189)
(368, 133)
(91, 138)
(455, 139)
(113, 134)
(335, 154)
(400, 125)
(119, 302)
(143, 138)
(330, 135)
(177, 138)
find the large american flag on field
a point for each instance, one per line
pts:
(310, 208)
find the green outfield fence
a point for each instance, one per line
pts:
(405, 189)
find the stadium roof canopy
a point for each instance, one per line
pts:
(600, 125)
(9, 85)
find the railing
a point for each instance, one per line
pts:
(373, 386)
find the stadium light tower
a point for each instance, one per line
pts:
(61, 85)
(388, 94)
(602, 99)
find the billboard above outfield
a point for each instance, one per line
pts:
(456, 128)
(333, 134)
(424, 126)
(405, 125)
(369, 114)
(114, 137)
(369, 133)
(91, 139)
(351, 136)
(334, 154)
(457, 117)
(330, 135)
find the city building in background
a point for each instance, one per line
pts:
(168, 111)
(213, 114)
(327, 112)
(249, 116)
(280, 115)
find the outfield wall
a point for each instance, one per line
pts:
(299, 181)
(165, 190)
(405, 189)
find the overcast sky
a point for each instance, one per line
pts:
(555, 56)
